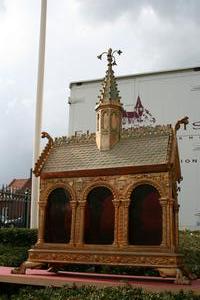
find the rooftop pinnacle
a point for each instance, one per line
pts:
(109, 92)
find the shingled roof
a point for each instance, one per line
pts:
(138, 147)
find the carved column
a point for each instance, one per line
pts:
(171, 224)
(116, 204)
(73, 222)
(42, 206)
(125, 222)
(176, 210)
(163, 202)
(120, 224)
(80, 224)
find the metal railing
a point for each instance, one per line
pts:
(14, 208)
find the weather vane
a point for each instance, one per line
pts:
(110, 56)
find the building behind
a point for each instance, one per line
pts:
(150, 99)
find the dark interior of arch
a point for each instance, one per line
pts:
(145, 216)
(99, 217)
(58, 217)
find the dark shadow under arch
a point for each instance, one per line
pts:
(58, 217)
(99, 217)
(145, 216)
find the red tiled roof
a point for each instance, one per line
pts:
(19, 184)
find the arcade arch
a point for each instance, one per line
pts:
(58, 216)
(99, 216)
(145, 216)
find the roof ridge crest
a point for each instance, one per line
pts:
(84, 138)
(146, 130)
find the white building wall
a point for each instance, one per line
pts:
(168, 96)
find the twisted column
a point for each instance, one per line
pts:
(163, 203)
(116, 204)
(80, 224)
(73, 222)
(125, 223)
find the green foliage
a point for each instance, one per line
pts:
(189, 242)
(18, 236)
(111, 269)
(14, 245)
(12, 256)
(93, 293)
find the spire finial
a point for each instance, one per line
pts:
(110, 93)
(110, 56)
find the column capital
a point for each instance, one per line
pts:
(126, 202)
(82, 204)
(73, 204)
(163, 201)
(116, 203)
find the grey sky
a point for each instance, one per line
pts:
(111, 10)
(153, 35)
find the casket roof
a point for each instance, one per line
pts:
(144, 146)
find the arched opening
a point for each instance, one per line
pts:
(99, 217)
(145, 216)
(58, 217)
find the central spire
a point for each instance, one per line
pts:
(110, 93)
(109, 108)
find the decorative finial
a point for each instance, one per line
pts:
(183, 121)
(110, 56)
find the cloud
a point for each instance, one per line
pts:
(177, 9)
(17, 32)
(2, 6)
(152, 33)
(18, 60)
(108, 11)
(16, 137)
